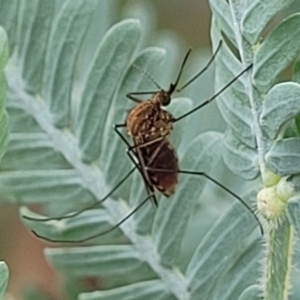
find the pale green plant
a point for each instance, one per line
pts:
(3, 114)
(65, 97)
(4, 272)
(263, 133)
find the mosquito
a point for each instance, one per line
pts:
(149, 125)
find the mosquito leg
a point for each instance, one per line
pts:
(94, 204)
(160, 139)
(116, 129)
(132, 97)
(147, 182)
(203, 70)
(100, 233)
(147, 143)
(174, 85)
(214, 96)
(149, 189)
(215, 182)
(151, 159)
(88, 207)
(156, 152)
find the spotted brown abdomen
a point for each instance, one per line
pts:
(162, 157)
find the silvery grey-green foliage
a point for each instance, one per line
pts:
(4, 273)
(63, 153)
(3, 88)
(262, 137)
(293, 213)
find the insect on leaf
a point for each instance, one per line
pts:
(276, 52)
(64, 156)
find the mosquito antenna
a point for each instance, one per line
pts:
(214, 96)
(218, 184)
(203, 70)
(147, 76)
(174, 85)
(97, 234)
(86, 208)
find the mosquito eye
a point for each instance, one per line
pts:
(166, 99)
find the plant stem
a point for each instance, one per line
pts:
(279, 259)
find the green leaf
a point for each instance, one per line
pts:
(241, 274)
(246, 159)
(101, 261)
(100, 21)
(284, 157)
(3, 114)
(146, 14)
(218, 250)
(76, 228)
(144, 218)
(66, 37)
(35, 27)
(113, 148)
(281, 105)
(276, 52)
(241, 159)
(4, 275)
(232, 102)
(152, 290)
(64, 156)
(44, 160)
(32, 149)
(228, 66)
(294, 181)
(293, 212)
(296, 70)
(223, 18)
(171, 218)
(111, 58)
(258, 15)
(239, 154)
(237, 116)
(8, 15)
(46, 186)
(296, 78)
(253, 292)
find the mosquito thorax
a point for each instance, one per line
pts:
(149, 121)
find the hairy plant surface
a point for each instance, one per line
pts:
(68, 86)
(4, 272)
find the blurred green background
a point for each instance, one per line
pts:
(23, 253)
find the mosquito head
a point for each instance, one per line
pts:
(165, 96)
(162, 98)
